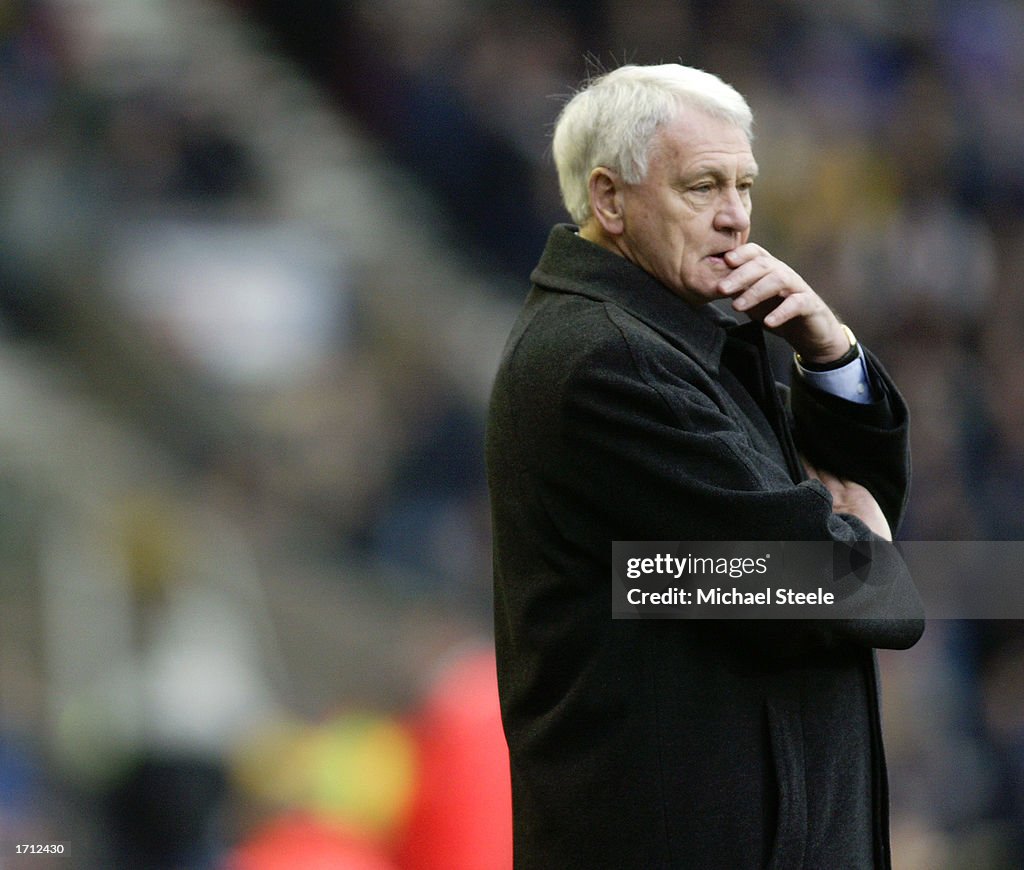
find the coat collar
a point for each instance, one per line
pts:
(571, 264)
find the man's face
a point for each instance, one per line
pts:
(693, 206)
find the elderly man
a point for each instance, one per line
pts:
(626, 408)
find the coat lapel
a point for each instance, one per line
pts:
(745, 356)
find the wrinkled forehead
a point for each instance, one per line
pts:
(693, 137)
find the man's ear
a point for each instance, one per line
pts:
(605, 187)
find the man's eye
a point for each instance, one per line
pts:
(703, 188)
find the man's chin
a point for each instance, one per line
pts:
(706, 285)
(697, 294)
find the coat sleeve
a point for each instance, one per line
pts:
(865, 443)
(645, 453)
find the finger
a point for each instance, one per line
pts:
(745, 276)
(760, 312)
(828, 478)
(744, 253)
(769, 286)
(812, 472)
(789, 309)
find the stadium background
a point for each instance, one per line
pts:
(258, 260)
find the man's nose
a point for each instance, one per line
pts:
(732, 214)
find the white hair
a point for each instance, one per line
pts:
(610, 122)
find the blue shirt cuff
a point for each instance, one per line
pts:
(849, 382)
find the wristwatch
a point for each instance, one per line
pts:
(845, 359)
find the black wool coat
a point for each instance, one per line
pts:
(619, 412)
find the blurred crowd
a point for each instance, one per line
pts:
(152, 258)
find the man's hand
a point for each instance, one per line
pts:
(768, 290)
(852, 498)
